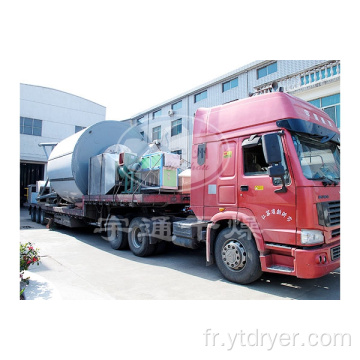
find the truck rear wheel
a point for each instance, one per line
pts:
(236, 255)
(115, 233)
(139, 238)
(43, 220)
(33, 214)
(38, 215)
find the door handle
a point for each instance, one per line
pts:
(244, 188)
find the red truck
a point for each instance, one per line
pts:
(265, 193)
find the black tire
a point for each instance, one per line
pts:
(33, 214)
(38, 215)
(139, 238)
(237, 256)
(115, 233)
(43, 220)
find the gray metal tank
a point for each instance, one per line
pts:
(68, 164)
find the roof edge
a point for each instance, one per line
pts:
(65, 92)
(221, 78)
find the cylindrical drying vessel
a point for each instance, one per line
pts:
(68, 164)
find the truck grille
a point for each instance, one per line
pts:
(329, 213)
(335, 252)
(334, 213)
(335, 233)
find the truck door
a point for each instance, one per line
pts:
(273, 211)
(220, 183)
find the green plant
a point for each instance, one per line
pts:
(28, 256)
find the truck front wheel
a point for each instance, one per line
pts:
(236, 255)
(139, 238)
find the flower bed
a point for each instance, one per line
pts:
(29, 255)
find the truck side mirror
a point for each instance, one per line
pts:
(272, 150)
(276, 170)
(272, 154)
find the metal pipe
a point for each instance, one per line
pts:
(51, 195)
(48, 144)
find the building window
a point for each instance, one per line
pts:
(178, 152)
(79, 128)
(177, 105)
(142, 133)
(140, 120)
(200, 96)
(156, 114)
(331, 105)
(267, 70)
(230, 84)
(156, 133)
(30, 126)
(176, 127)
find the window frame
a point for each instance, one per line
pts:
(176, 124)
(176, 106)
(156, 114)
(156, 129)
(140, 120)
(267, 70)
(200, 96)
(30, 126)
(331, 102)
(231, 86)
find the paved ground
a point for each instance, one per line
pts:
(78, 264)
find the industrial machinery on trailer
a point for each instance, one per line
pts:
(263, 189)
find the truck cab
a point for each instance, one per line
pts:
(266, 177)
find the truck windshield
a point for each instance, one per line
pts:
(319, 160)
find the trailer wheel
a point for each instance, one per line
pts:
(38, 215)
(139, 238)
(33, 214)
(42, 218)
(236, 255)
(115, 233)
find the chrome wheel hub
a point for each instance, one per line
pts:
(137, 238)
(234, 255)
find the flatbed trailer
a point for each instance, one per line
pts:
(92, 206)
(126, 219)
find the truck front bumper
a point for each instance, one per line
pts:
(310, 264)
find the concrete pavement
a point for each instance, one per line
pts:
(78, 264)
(40, 288)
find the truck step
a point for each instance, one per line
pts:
(281, 268)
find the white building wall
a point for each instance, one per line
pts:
(59, 111)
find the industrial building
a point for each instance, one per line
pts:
(48, 116)
(171, 122)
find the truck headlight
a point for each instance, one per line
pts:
(311, 237)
